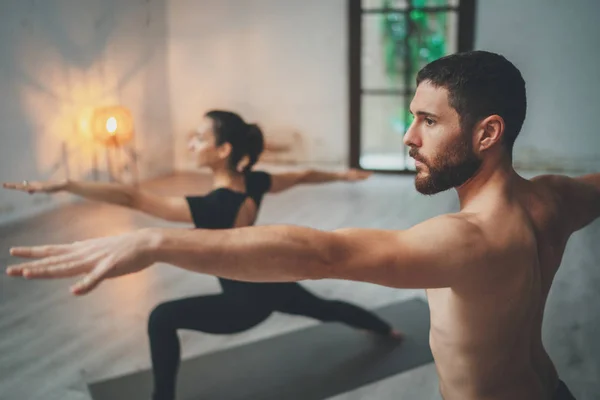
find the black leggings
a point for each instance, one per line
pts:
(232, 313)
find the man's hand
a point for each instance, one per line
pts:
(36, 187)
(97, 259)
(353, 175)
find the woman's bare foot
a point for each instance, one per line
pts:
(396, 334)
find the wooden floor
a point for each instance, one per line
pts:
(51, 342)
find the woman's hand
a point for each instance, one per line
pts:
(37, 187)
(353, 175)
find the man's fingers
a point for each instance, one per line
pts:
(93, 279)
(13, 271)
(19, 269)
(65, 270)
(40, 251)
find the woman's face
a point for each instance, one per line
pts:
(203, 145)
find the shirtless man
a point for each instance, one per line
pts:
(487, 269)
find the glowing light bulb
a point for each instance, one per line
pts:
(111, 125)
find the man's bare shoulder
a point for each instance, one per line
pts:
(551, 181)
(576, 200)
(544, 200)
(558, 185)
(548, 185)
(463, 229)
(459, 220)
(488, 236)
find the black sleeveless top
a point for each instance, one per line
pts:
(219, 210)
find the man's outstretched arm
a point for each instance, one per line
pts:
(435, 253)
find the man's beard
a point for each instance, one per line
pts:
(448, 170)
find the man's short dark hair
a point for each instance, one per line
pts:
(481, 84)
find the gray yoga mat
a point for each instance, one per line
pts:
(310, 364)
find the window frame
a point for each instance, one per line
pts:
(466, 38)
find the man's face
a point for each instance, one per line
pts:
(443, 152)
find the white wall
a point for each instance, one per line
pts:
(555, 45)
(284, 64)
(58, 60)
(280, 63)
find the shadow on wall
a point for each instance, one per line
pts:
(59, 60)
(65, 58)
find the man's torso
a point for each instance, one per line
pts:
(486, 332)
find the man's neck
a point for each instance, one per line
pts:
(493, 179)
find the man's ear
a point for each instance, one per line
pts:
(488, 133)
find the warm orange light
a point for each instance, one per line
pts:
(113, 126)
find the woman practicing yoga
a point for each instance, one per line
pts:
(229, 147)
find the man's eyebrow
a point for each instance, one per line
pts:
(424, 114)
